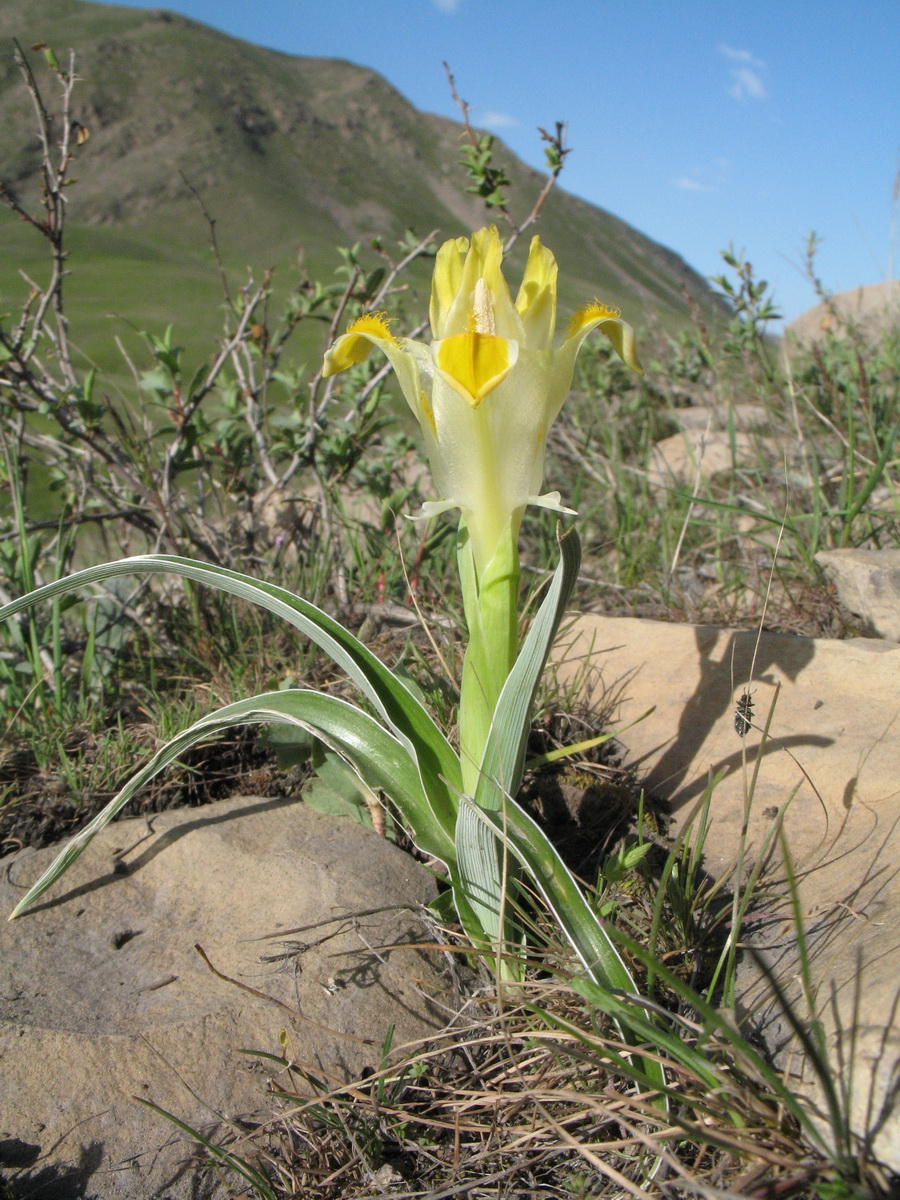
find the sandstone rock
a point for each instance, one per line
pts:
(747, 417)
(868, 584)
(834, 753)
(872, 309)
(104, 998)
(679, 458)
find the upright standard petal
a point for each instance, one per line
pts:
(536, 301)
(448, 269)
(482, 297)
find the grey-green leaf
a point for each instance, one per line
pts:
(401, 710)
(357, 737)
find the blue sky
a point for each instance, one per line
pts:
(700, 122)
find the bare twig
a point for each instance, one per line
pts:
(556, 152)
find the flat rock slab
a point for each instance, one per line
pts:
(749, 418)
(104, 998)
(834, 746)
(868, 584)
(705, 452)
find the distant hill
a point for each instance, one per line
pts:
(285, 151)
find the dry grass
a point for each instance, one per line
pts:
(521, 1097)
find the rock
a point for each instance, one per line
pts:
(747, 417)
(103, 997)
(679, 459)
(868, 584)
(834, 753)
(704, 446)
(871, 309)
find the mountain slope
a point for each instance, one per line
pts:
(284, 151)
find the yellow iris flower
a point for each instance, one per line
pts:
(487, 388)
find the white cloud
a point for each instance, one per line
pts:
(743, 56)
(496, 120)
(746, 80)
(747, 85)
(446, 6)
(692, 185)
(704, 177)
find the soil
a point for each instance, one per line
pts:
(38, 807)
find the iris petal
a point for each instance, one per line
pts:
(536, 301)
(448, 269)
(474, 363)
(618, 331)
(355, 345)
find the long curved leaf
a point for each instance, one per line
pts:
(533, 849)
(358, 738)
(402, 711)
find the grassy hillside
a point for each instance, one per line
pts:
(289, 154)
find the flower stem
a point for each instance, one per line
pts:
(491, 610)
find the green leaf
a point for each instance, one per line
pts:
(588, 938)
(713, 1020)
(338, 790)
(357, 737)
(533, 849)
(292, 746)
(412, 724)
(197, 380)
(232, 1161)
(49, 56)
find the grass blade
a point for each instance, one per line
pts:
(224, 1157)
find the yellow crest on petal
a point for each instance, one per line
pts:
(376, 324)
(595, 311)
(354, 346)
(475, 363)
(621, 335)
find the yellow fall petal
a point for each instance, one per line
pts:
(475, 363)
(609, 320)
(354, 346)
(595, 311)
